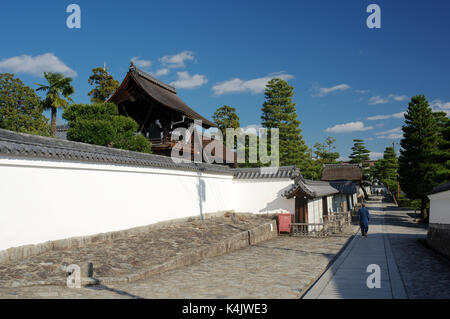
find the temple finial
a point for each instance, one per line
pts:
(132, 66)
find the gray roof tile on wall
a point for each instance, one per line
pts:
(267, 173)
(25, 145)
(15, 144)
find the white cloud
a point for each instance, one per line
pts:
(398, 98)
(440, 106)
(325, 91)
(161, 72)
(362, 91)
(374, 100)
(36, 66)
(141, 63)
(187, 81)
(375, 155)
(385, 117)
(393, 134)
(177, 60)
(253, 86)
(348, 127)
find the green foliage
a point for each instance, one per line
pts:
(59, 90)
(105, 85)
(388, 169)
(279, 111)
(101, 124)
(226, 117)
(442, 155)
(417, 170)
(361, 155)
(20, 107)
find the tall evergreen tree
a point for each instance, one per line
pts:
(442, 155)
(226, 117)
(361, 155)
(417, 172)
(105, 85)
(279, 111)
(389, 169)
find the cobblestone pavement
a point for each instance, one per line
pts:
(425, 273)
(279, 268)
(127, 254)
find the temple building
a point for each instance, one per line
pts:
(158, 110)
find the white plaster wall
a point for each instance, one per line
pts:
(315, 212)
(263, 195)
(46, 200)
(42, 200)
(440, 208)
(330, 204)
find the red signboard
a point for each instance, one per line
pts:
(284, 223)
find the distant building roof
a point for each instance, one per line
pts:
(155, 89)
(344, 187)
(441, 188)
(309, 188)
(267, 172)
(336, 172)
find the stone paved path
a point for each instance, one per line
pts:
(127, 253)
(279, 268)
(408, 269)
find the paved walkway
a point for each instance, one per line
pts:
(283, 267)
(407, 268)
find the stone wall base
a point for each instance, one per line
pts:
(22, 252)
(439, 238)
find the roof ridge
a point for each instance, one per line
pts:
(147, 76)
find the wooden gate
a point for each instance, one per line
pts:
(301, 210)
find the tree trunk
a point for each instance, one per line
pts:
(53, 121)
(423, 208)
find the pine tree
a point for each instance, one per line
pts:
(389, 169)
(105, 85)
(361, 155)
(417, 172)
(442, 155)
(226, 117)
(279, 111)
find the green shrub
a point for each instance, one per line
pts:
(101, 124)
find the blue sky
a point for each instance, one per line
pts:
(350, 81)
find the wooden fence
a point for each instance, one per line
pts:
(332, 224)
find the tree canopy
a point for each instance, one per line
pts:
(279, 111)
(417, 170)
(101, 124)
(226, 117)
(105, 85)
(20, 107)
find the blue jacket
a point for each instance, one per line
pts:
(363, 215)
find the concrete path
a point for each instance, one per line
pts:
(347, 277)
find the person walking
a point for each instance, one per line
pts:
(364, 217)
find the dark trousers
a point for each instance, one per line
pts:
(364, 228)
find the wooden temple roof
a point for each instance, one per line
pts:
(163, 93)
